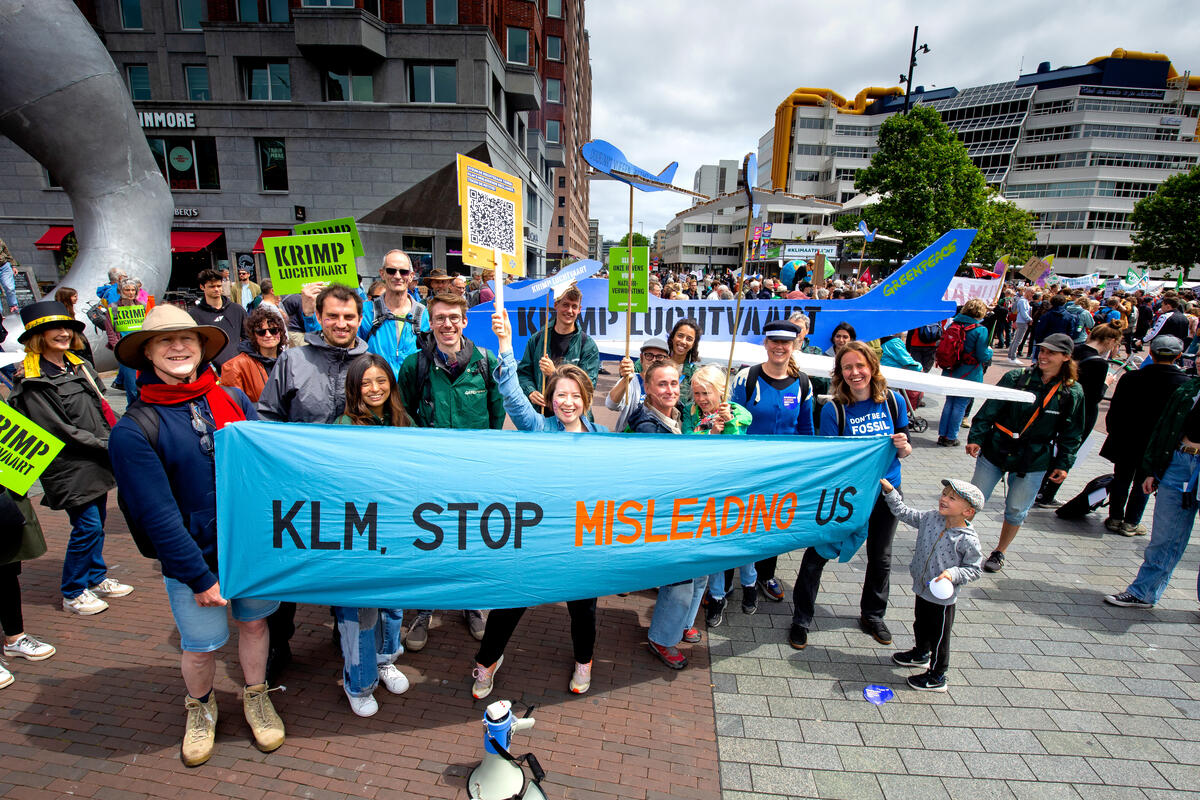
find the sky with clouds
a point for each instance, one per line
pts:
(697, 81)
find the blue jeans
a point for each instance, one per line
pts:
(716, 582)
(952, 416)
(370, 638)
(1172, 527)
(1022, 489)
(129, 380)
(203, 629)
(9, 284)
(83, 564)
(675, 610)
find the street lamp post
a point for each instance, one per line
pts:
(912, 62)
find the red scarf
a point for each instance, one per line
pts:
(223, 407)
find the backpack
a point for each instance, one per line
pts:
(1093, 496)
(382, 315)
(425, 363)
(1074, 315)
(950, 352)
(755, 372)
(893, 409)
(929, 335)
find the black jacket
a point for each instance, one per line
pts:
(1136, 406)
(229, 318)
(1093, 370)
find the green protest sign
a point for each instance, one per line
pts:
(339, 225)
(25, 450)
(619, 276)
(127, 318)
(296, 260)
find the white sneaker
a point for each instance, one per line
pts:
(363, 706)
(6, 677)
(30, 648)
(484, 677)
(111, 587)
(393, 679)
(84, 604)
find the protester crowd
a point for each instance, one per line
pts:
(396, 356)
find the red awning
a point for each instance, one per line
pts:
(267, 234)
(192, 241)
(52, 239)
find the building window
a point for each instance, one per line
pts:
(247, 10)
(562, 181)
(414, 12)
(560, 241)
(433, 83)
(268, 81)
(553, 131)
(445, 12)
(196, 78)
(272, 165)
(139, 81)
(277, 11)
(192, 13)
(187, 164)
(345, 86)
(372, 8)
(518, 46)
(554, 8)
(328, 3)
(562, 201)
(561, 221)
(554, 48)
(131, 15)
(553, 90)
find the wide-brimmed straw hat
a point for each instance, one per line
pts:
(44, 315)
(168, 318)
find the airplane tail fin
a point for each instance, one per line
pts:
(921, 282)
(668, 173)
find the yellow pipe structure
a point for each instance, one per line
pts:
(1172, 73)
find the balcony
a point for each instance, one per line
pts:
(522, 88)
(343, 34)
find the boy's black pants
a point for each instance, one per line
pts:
(931, 629)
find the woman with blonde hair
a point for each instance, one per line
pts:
(974, 353)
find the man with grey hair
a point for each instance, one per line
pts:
(390, 323)
(111, 292)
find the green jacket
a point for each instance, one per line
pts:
(1168, 429)
(1049, 444)
(472, 401)
(582, 352)
(735, 427)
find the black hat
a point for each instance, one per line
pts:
(781, 329)
(44, 315)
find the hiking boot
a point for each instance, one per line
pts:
(772, 588)
(1113, 524)
(995, 562)
(669, 655)
(943, 441)
(581, 678)
(265, 724)
(911, 658)
(483, 679)
(418, 633)
(84, 604)
(6, 677)
(714, 612)
(362, 706)
(111, 587)
(475, 623)
(1131, 529)
(927, 682)
(798, 637)
(692, 636)
(278, 660)
(392, 678)
(201, 730)
(29, 648)
(1126, 600)
(749, 599)
(875, 629)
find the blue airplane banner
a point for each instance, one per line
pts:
(496, 519)
(908, 298)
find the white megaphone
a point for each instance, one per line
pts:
(500, 776)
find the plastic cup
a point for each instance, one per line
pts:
(941, 589)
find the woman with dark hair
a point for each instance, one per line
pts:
(257, 353)
(862, 405)
(843, 332)
(69, 298)
(372, 398)
(684, 344)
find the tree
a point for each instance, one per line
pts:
(927, 180)
(638, 240)
(1166, 225)
(1006, 229)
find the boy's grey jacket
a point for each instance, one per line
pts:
(957, 550)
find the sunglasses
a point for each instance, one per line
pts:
(394, 270)
(200, 426)
(267, 332)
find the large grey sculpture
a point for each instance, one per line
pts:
(63, 101)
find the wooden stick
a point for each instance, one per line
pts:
(629, 275)
(545, 341)
(737, 314)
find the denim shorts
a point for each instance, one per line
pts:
(203, 629)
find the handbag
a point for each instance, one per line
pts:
(109, 415)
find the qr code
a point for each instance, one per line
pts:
(491, 221)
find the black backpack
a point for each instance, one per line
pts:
(1093, 496)
(382, 315)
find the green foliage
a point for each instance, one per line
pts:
(1166, 225)
(1005, 230)
(928, 183)
(638, 240)
(70, 249)
(846, 222)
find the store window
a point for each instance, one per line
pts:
(131, 15)
(196, 78)
(518, 46)
(247, 10)
(419, 250)
(414, 12)
(553, 131)
(267, 80)
(192, 13)
(139, 81)
(349, 87)
(554, 48)
(272, 165)
(445, 12)
(187, 163)
(553, 90)
(432, 83)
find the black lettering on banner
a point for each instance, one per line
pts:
(847, 493)
(314, 535)
(535, 516)
(485, 529)
(462, 509)
(5, 424)
(281, 523)
(367, 523)
(833, 504)
(23, 442)
(421, 522)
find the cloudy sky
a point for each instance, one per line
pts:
(696, 81)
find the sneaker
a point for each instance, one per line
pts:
(475, 623)
(30, 648)
(395, 680)
(772, 589)
(362, 706)
(1113, 524)
(749, 599)
(201, 731)
(714, 612)
(995, 562)
(692, 636)
(483, 679)
(911, 658)
(111, 587)
(278, 660)
(84, 604)
(1130, 529)
(876, 629)
(798, 637)
(265, 723)
(966, 423)
(943, 441)
(1126, 600)
(581, 678)
(418, 633)
(1046, 502)
(669, 655)
(6, 677)
(927, 682)
(952, 443)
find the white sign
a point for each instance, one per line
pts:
(807, 251)
(1083, 282)
(961, 290)
(167, 119)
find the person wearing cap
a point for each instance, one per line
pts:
(779, 397)
(162, 454)
(628, 391)
(946, 555)
(62, 393)
(1140, 396)
(1023, 442)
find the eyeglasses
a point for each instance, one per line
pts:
(267, 332)
(654, 358)
(453, 319)
(200, 426)
(394, 270)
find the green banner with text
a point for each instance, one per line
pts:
(339, 225)
(296, 260)
(619, 276)
(126, 319)
(26, 449)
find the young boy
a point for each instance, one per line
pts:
(947, 549)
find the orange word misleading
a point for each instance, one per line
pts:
(628, 521)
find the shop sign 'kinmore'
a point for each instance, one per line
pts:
(167, 119)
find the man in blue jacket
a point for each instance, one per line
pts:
(390, 323)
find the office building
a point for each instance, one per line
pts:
(711, 180)
(594, 239)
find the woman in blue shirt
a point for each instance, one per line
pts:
(862, 405)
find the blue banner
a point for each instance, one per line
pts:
(419, 518)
